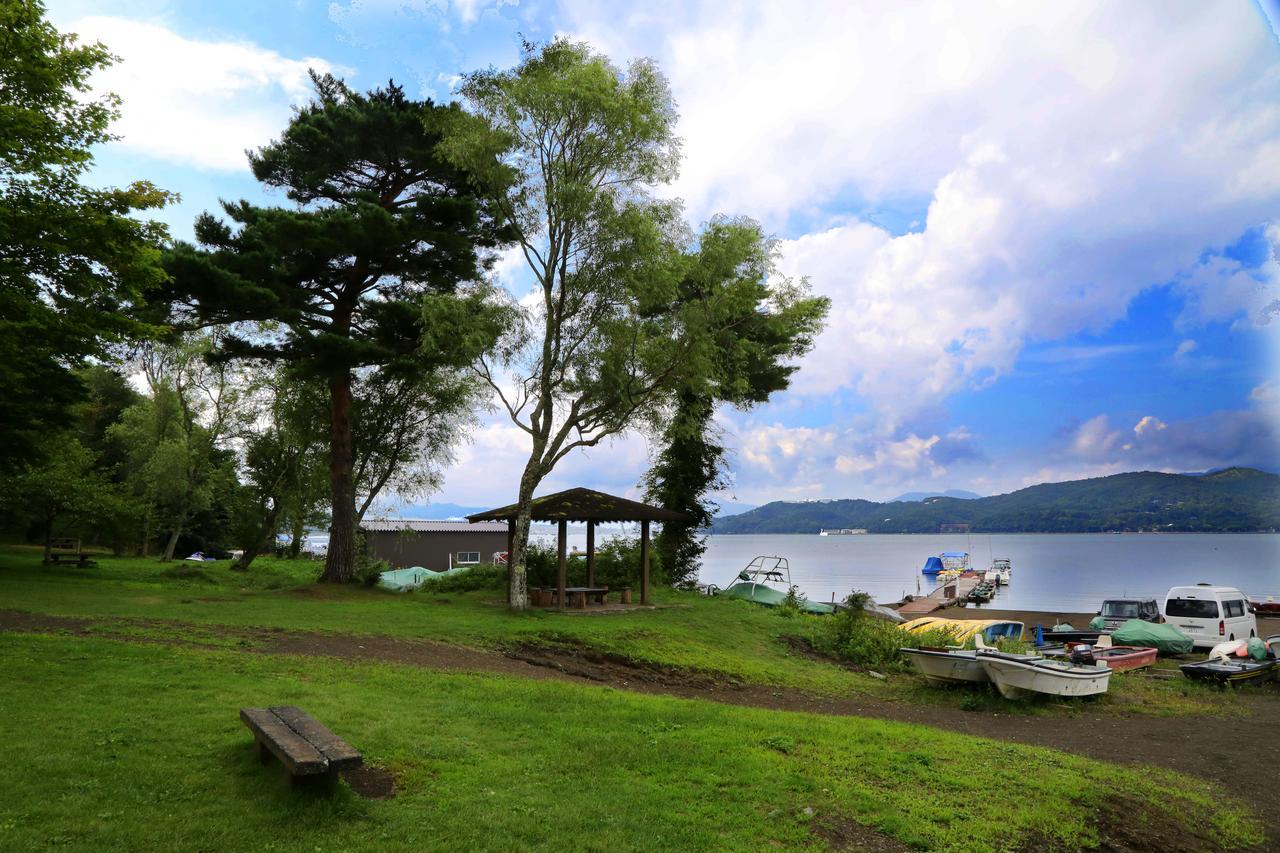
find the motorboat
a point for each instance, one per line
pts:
(767, 580)
(950, 666)
(1001, 571)
(1017, 678)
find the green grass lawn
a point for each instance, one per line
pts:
(119, 746)
(729, 638)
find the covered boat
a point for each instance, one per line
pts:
(965, 629)
(1163, 637)
(932, 566)
(1018, 678)
(767, 580)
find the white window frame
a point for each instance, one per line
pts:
(464, 562)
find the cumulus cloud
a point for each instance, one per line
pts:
(1185, 348)
(1071, 157)
(1249, 437)
(193, 102)
(1149, 423)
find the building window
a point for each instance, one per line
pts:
(468, 558)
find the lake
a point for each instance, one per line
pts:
(1051, 572)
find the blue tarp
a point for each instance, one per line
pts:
(954, 554)
(932, 566)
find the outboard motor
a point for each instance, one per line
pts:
(1082, 655)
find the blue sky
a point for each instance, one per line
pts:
(1049, 231)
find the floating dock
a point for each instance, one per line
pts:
(944, 596)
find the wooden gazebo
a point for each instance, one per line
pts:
(589, 506)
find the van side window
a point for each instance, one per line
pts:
(1191, 608)
(1234, 608)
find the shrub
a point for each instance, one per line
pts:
(861, 638)
(483, 576)
(617, 565)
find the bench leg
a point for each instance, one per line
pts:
(264, 754)
(322, 783)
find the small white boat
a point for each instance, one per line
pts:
(951, 666)
(1001, 571)
(1016, 679)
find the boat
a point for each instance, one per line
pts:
(1017, 678)
(982, 593)
(955, 560)
(1224, 670)
(1001, 569)
(963, 630)
(1121, 658)
(932, 566)
(950, 666)
(767, 580)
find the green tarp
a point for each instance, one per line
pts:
(1165, 638)
(403, 580)
(1097, 623)
(769, 597)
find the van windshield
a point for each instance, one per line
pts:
(1120, 609)
(1193, 608)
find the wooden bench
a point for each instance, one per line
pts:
(82, 560)
(64, 551)
(309, 751)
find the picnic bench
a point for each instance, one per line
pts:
(307, 749)
(575, 596)
(66, 552)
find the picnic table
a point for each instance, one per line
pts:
(577, 596)
(67, 551)
(306, 748)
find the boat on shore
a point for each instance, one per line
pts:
(1017, 678)
(964, 630)
(1120, 658)
(1225, 670)
(950, 666)
(766, 580)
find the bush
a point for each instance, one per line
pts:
(861, 638)
(617, 565)
(483, 576)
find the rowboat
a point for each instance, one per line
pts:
(1017, 678)
(950, 666)
(1121, 658)
(1230, 671)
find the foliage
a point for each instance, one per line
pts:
(857, 636)
(617, 565)
(485, 576)
(575, 147)
(367, 569)
(73, 259)
(1232, 500)
(368, 273)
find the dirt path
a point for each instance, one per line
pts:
(1242, 754)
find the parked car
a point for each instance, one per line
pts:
(1209, 614)
(1117, 611)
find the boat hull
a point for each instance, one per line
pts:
(1020, 679)
(1230, 672)
(1122, 658)
(939, 666)
(770, 597)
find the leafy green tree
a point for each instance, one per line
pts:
(366, 271)
(73, 259)
(581, 142)
(745, 326)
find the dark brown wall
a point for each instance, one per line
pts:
(431, 550)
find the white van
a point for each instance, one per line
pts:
(1210, 614)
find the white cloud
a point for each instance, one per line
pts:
(1072, 156)
(193, 102)
(1185, 348)
(1149, 423)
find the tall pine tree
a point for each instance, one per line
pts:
(367, 272)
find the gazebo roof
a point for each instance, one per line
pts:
(584, 505)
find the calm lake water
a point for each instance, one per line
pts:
(1051, 572)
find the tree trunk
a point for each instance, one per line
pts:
(295, 543)
(48, 538)
(145, 550)
(339, 563)
(256, 547)
(173, 540)
(518, 594)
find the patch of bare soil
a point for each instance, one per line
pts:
(841, 833)
(370, 781)
(1242, 754)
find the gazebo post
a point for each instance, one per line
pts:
(644, 561)
(591, 553)
(563, 535)
(511, 546)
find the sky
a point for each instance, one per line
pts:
(1050, 232)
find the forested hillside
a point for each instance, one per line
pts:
(1232, 500)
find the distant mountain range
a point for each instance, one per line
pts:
(960, 494)
(1230, 500)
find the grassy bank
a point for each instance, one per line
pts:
(120, 746)
(729, 639)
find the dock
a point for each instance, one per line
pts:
(944, 596)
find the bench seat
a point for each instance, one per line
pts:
(300, 742)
